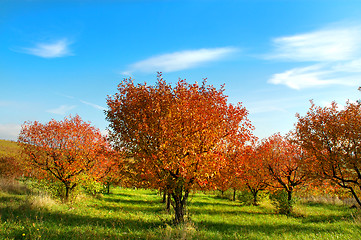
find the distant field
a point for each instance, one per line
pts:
(138, 214)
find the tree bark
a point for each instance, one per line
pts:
(168, 197)
(108, 188)
(164, 197)
(355, 196)
(255, 200)
(179, 204)
(234, 194)
(289, 196)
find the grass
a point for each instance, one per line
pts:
(138, 214)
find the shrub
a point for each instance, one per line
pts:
(280, 200)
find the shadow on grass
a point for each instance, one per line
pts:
(68, 222)
(270, 229)
(202, 204)
(327, 218)
(73, 225)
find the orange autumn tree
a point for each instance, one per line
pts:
(333, 137)
(63, 151)
(253, 172)
(110, 172)
(230, 171)
(282, 158)
(174, 136)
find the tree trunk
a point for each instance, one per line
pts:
(179, 204)
(67, 193)
(168, 197)
(255, 200)
(355, 196)
(164, 197)
(289, 201)
(68, 190)
(234, 194)
(289, 197)
(108, 187)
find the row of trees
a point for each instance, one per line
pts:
(186, 137)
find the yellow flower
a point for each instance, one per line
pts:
(23, 234)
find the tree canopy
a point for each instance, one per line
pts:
(177, 136)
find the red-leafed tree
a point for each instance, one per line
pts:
(230, 175)
(110, 172)
(282, 158)
(175, 135)
(64, 151)
(333, 137)
(253, 174)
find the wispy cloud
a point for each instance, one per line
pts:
(177, 61)
(337, 53)
(55, 49)
(93, 105)
(62, 110)
(317, 75)
(323, 45)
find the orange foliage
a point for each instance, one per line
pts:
(282, 158)
(333, 137)
(62, 150)
(176, 135)
(254, 175)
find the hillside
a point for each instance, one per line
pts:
(8, 148)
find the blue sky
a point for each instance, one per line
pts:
(64, 57)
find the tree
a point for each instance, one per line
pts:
(64, 151)
(282, 159)
(333, 137)
(175, 135)
(229, 169)
(254, 174)
(111, 170)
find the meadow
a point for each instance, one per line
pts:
(139, 214)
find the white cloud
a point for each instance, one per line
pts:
(176, 61)
(336, 51)
(9, 131)
(316, 76)
(324, 45)
(62, 110)
(93, 105)
(59, 48)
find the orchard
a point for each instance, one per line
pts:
(184, 138)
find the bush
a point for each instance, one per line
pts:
(245, 197)
(279, 199)
(54, 189)
(93, 187)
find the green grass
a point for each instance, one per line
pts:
(138, 214)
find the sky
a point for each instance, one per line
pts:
(62, 58)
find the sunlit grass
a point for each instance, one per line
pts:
(139, 214)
